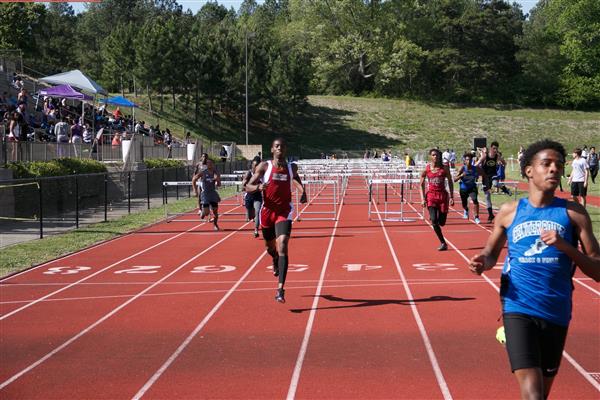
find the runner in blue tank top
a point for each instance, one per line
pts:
(536, 288)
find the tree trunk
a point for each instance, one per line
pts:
(197, 105)
(162, 99)
(149, 97)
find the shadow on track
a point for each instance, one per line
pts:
(372, 303)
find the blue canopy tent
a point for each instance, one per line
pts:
(121, 101)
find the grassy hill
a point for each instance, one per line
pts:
(332, 123)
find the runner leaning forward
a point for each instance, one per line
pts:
(276, 213)
(209, 179)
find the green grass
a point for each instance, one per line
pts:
(24, 255)
(594, 212)
(334, 123)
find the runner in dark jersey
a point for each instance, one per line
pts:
(436, 198)
(468, 176)
(252, 200)
(536, 286)
(276, 213)
(489, 164)
(205, 185)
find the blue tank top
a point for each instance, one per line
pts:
(469, 179)
(536, 278)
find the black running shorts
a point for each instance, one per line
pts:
(534, 343)
(280, 228)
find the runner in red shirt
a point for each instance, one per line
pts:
(436, 198)
(276, 213)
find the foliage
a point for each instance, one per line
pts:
(152, 163)
(56, 167)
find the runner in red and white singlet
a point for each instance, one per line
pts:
(276, 213)
(436, 198)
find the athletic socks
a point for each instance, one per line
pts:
(283, 267)
(438, 231)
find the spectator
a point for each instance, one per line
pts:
(76, 138)
(22, 96)
(593, 163)
(116, 140)
(223, 154)
(452, 158)
(584, 152)
(117, 114)
(14, 134)
(188, 137)
(446, 157)
(61, 131)
(579, 178)
(87, 134)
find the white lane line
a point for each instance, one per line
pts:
(196, 330)
(311, 318)
(113, 312)
(124, 296)
(571, 360)
(428, 346)
(93, 247)
(578, 280)
(97, 272)
(201, 325)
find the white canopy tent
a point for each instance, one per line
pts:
(77, 79)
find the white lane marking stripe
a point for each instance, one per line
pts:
(113, 312)
(311, 318)
(574, 363)
(199, 327)
(93, 247)
(97, 272)
(196, 330)
(428, 346)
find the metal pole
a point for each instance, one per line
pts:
(41, 209)
(76, 202)
(148, 187)
(246, 88)
(105, 197)
(129, 192)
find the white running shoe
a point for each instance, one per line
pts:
(477, 220)
(465, 214)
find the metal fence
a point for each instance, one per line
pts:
(33, 208)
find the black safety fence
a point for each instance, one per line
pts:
(33, 208)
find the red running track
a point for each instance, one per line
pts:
(179, 311)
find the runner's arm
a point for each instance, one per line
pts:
(488, 257)
(217, 179)
(195, 187)
(253, 184)
(422, 184)
(588, 260)
(450, 184)
(298, 183)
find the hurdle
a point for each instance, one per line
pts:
(330, 200)
(404, 195)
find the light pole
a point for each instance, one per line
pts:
(248, 35)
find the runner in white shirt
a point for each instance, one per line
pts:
(579, 177)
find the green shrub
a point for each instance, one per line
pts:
(152, 163)
(57, 167)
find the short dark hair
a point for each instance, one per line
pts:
(536, 147)
(577, 151)
(495, 143)
(468, 154)
(280, 139)
(439, 163)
